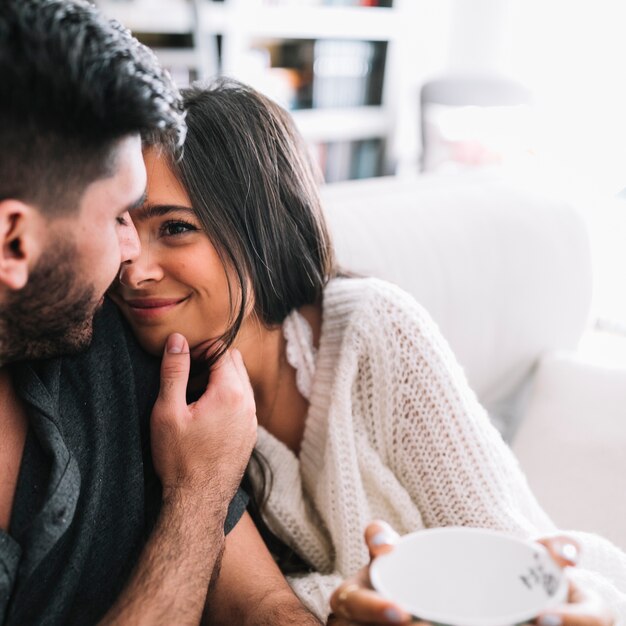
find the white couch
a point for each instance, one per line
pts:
(507, 275)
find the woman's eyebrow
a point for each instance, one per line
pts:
(148, 210)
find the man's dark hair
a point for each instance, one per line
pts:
(72, 84)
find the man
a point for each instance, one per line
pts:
(106, 514)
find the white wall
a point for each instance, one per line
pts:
(480, 36)
(572, 54)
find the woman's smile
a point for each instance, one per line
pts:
(178, 282)
(151, 309)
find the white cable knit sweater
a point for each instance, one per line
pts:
(394, 432)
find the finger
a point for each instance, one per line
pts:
(380, 538)
(583, 609)
(351, 601)
(175, 371)
(245, 380)
(564, 550)
(225, 386)
(556, 619)
(240, 368)
(577, 616)
(576, 595)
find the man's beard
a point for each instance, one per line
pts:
(53, 314)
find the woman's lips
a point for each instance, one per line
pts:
(152, 308)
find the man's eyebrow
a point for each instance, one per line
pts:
(148, 210)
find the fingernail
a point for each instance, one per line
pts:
(394, 616)
(569, 552)
(175, 343)
(383, 538)
(550, 620)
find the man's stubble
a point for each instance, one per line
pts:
(53, 314)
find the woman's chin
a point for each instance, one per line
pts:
(152, 345)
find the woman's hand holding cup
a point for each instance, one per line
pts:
(355, 601)
(583, 608)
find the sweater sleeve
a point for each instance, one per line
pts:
(292, 518)
(314, 591)
(442, 447)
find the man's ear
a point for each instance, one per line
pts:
(22, 230)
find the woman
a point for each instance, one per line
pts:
(363, 411)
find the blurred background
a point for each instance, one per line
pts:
(530, 89)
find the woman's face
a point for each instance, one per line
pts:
(178, 283)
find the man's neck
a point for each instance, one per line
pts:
(13, 429)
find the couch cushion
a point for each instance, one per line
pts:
(572, 441)
(504, 272)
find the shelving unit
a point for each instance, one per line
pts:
(334, 67)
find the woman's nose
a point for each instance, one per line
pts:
(141, 270)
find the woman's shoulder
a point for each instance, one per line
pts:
(378, 311)
(362, 296)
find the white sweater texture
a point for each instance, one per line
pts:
(394, 432)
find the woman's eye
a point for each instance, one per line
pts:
(171, 229)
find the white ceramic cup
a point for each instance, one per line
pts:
(469, 577)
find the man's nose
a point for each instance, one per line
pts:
(130, 246)
(143, 268)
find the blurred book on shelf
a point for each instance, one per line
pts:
(357, 3)
(182, 76)
(165, 40)
(324, 73)
(346, 160)
(341, 73)
(326, 61)
(176, 53)
(281, 69)
(317, 3)
(347, 73)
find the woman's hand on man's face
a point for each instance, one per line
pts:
(354, 602)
